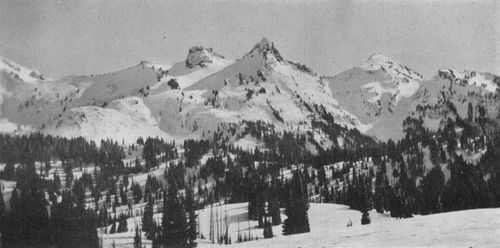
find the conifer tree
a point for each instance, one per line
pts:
(191, 212)
(296, 207)
(148, 224)
(137, 238)
(274, 209)
(2, 202)
(364, 202)
(137, 192)
(174, 225)
(122, 224)
(268, 227)
(365, 218)
(432, 185)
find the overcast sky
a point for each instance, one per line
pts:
(62, 38)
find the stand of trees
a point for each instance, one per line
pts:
(178, 227)
(31, 222)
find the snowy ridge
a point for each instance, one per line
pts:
(486, 81)
(205, 91)
(20, 72)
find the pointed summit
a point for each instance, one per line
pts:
(265, 48)
(263, 45)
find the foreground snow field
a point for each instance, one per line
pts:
(470, 228)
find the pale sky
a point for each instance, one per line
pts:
(62, 38)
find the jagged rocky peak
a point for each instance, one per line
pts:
(265, 48)
(200, 56)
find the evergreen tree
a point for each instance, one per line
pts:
(2, 202)
(365, 202)
(274, 209)
(136, 192)
(137, 238)
(174, 231)
(148, 224)
(123, 196)
(191, 212)
(113, 228)
(432, 185)
(296, 207)
(381, 192)
(470, 112)
(122, 224)
(268, 228)
(365, 218)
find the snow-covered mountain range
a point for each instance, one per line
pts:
(208, 92)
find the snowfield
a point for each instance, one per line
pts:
(468, 228)
(127, 119)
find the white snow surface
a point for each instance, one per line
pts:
(470, 228)
(126, 118)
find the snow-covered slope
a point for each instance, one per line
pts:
(374, 87)
(13, 77)
(123, 120)
(470, 228)
(404, 82)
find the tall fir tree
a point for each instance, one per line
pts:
(148, 225)
(2, 202)
(137, 238)
(432, 185)
(174, 228)
(297, 220)
(274, 209)
(191, 212)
